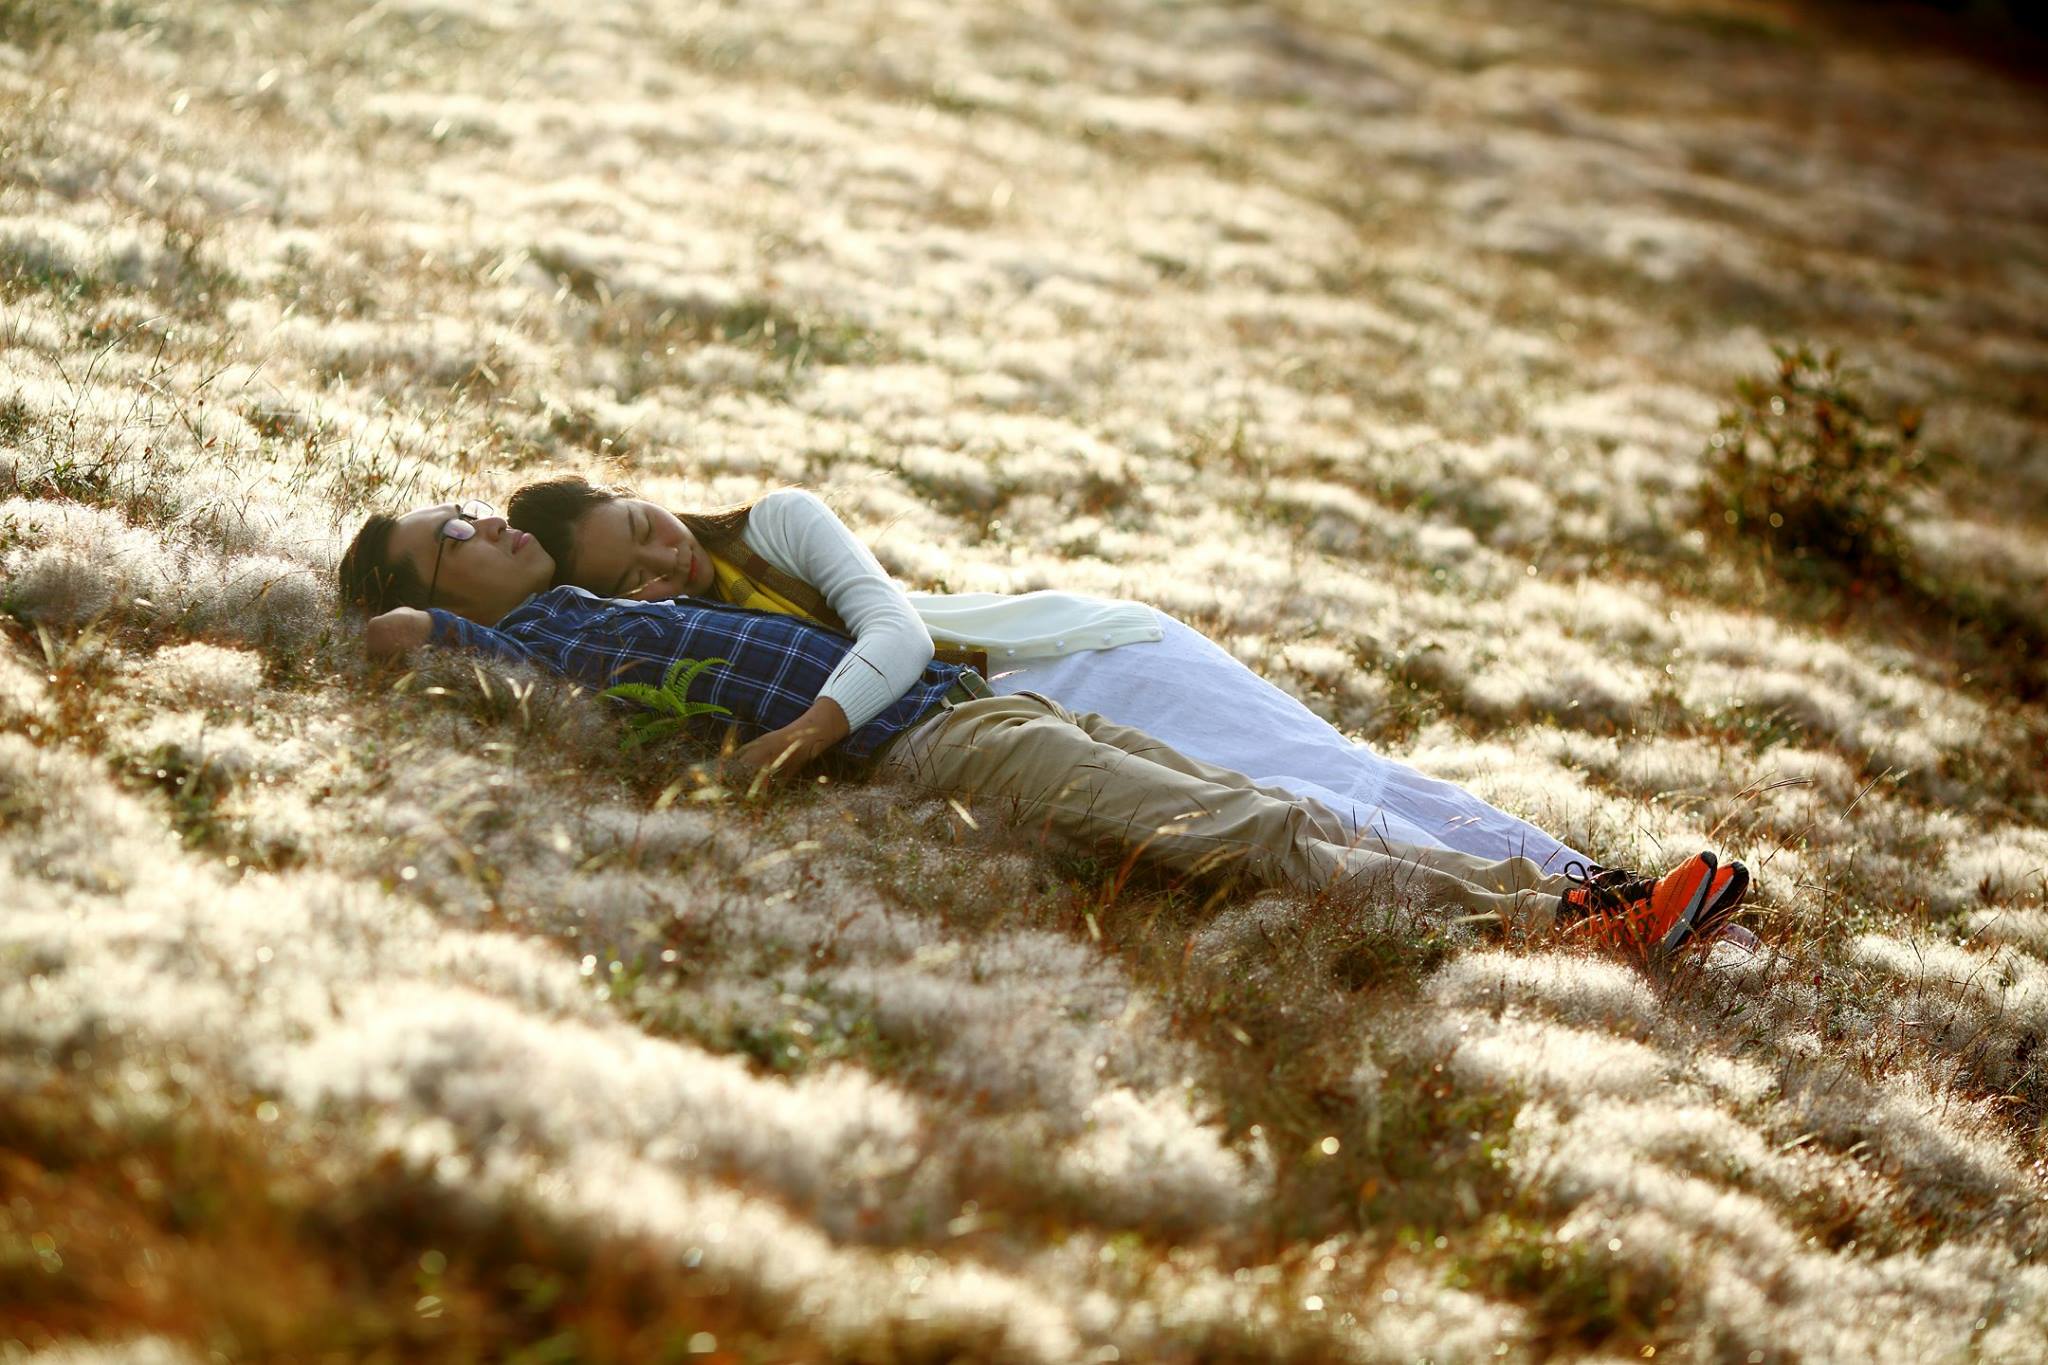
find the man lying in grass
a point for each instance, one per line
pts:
(458, 575)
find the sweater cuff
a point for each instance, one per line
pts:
(861, 691)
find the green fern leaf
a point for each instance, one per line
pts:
(642, 693)
(671, 700)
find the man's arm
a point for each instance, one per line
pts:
(769, 671)
(396, 631)
(406, 628)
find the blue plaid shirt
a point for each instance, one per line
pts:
(774, 666)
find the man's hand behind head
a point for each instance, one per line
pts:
(396, 631)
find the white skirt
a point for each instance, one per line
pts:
(1189, 692)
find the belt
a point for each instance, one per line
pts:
(969, 686)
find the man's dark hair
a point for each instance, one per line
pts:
(548, 510)
(371, 578)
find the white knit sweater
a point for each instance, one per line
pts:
(797, 533)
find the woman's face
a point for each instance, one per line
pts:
(629, 547)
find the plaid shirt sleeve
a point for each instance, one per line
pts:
(773, 665)
(459, 632)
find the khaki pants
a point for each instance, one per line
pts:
(1090, 778)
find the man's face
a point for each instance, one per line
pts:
(482, 577)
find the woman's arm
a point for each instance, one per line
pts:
(796, 532)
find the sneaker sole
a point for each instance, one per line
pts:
(1704, 922)
(1715, 917)
(1682, 928)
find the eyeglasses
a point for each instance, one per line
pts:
(461, 526)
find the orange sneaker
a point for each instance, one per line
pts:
(1653, 917)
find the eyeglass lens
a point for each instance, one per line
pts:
(462, 525)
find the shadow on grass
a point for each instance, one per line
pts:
(200, 1222)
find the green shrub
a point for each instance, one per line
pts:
(1802, 466)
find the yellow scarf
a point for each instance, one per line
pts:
(735, 587)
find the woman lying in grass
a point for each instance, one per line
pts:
(803, 675)
(789, 552)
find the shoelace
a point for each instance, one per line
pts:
(1606, 888)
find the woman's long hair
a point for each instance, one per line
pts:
(549, 510)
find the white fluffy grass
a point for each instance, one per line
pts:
(134, 1351)
(1572, 989)
(204, 674)
(2023, 928)
(1518, 1054)
(1648, 1184)
(857, 1300)
(1133, 334)
(2007, 865)
(825, 1143)
(75, 566)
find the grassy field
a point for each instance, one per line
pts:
(1422, 355)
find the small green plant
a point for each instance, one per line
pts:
(16, 417)
(1802, 465)
(36, 24)
(669, 704)
(196, 785)
(1582, 1294)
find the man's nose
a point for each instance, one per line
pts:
(490, 528)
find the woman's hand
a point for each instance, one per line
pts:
(396, 631)
(781, 753)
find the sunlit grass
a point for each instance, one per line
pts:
(402, 1011)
